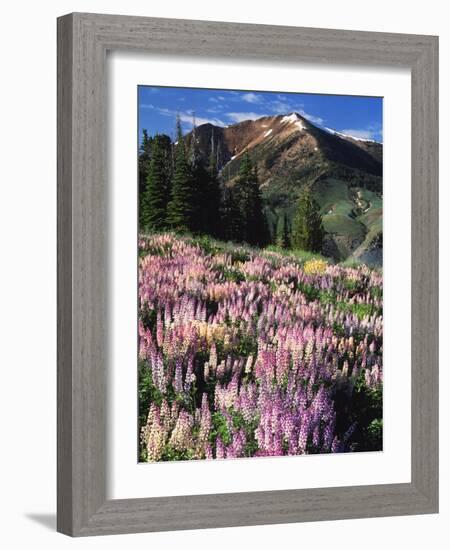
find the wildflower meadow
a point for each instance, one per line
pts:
(247, 352)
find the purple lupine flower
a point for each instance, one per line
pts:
(283, 388)
(178, 380)
(220, 449)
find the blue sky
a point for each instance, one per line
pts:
(353, 115)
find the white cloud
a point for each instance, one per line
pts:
(250, 97)
(217, 99)
(359, 133)
(280, 107)
(239, 117)
(185, 116)
(151, 89)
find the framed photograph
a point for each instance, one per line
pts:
(247, 274)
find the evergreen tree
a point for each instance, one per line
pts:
(307, 231)
(231, 219)
(200, 186)
(144, 158)
(211, 200)
(205, 188)
(181, 206)
(201, 214)
(283, 239)
(248, 196)
(153, 208)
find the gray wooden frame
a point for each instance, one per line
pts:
(83, 40)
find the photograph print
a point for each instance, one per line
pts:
(260, 285)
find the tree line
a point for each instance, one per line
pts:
(181, 192)
(306, 231)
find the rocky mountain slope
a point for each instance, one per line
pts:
(345, 173)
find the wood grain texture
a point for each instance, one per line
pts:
(424, 276)
(64, 275)
(83, 40)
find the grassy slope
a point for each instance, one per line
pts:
(352, 216)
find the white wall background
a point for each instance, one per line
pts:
(28, 272)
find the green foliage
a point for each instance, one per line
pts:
(219, 428)
(206, 188)
(153, 211)
(301, 256)
(283, 239)
(211, 197)
(351, 262)
(170, 453)
(232, 274)
(145, 392)
(145, 155)
(232, 226)
(209, 203)
(181, 210)
(239, 422)
(360, 310)
(247, 196)
(307, 231)
(364, 406)
(247, 345)
(374, 433)
(311, 292)
(344, 225)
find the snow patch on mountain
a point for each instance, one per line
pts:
(268, 133)
(293, 117)
(340, 134)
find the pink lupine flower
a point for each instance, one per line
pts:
(220, 448)
(178, 379)
(264, 354)
(181, 437)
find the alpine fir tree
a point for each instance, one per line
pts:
(181, 206)
(283, 239)
(211, 200)
(203, 212)
(145, 154)
(231, 219)
(248, 195)
(307, 230)
(153, 208)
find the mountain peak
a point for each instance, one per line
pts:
(288, 140)
(291, 152)
(291, 117)
(294, 119)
